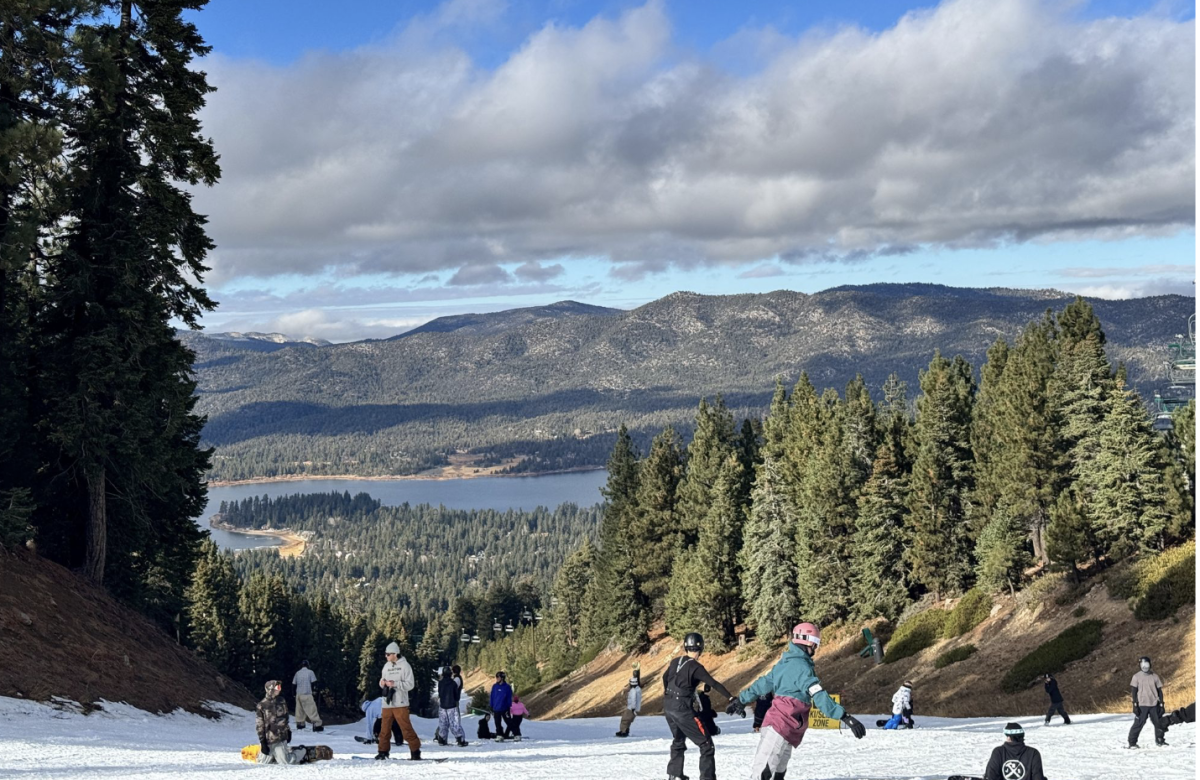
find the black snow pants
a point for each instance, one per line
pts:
(685, 725)
(1057, 706)
(1155, 716)
(503, 727)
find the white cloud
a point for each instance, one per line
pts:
(975, 123)
(1124, 289)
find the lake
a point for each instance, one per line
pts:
(499, 493)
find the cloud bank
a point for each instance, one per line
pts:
(978, 123)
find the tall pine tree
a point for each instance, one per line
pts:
(769, 555)
(655, 535)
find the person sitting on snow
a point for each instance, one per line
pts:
(796, 687)
(1014, 759)
(901, 704)
(483, 732)
(274, 733)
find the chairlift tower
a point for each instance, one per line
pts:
(1181, 376)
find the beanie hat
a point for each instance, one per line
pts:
(1015, 731)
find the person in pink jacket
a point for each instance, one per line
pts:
(518, 713)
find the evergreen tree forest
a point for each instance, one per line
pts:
(833, 507)
(101, 255)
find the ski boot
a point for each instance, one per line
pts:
(462, 742)
(299, 727)
(414, 755)
(381, 756)
(517, 738)
(440, 740)
(318, 729)
(1161, 743)
(622, 734)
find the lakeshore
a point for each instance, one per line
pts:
(291, 544)
(436, 475)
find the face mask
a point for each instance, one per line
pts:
(1145, 666)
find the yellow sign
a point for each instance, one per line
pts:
(817, 720)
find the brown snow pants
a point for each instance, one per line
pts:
(398, 715)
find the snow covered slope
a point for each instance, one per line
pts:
(41, 741)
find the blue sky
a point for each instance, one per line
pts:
(386, 163)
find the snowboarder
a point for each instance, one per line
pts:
(306, 705)
(901, 704)
(795, 686)
(396, 681)
(517, 713)
(501, 701)
(761, 705)
(1056, 700)
(1014, 760)
(680, 679)
(449, 721)
(708, 716)
(372, 710)
(633, 703)
(274, 734)
(1182, 715)
(1146, 691)
(483, 732)
(458, 678)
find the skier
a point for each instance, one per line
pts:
(901, 704)
(680, 679)
(448, 717)
(271, 722)
(1146, 690)
(795, 686)
(396, 681)
(633, 703)
(518, 712)
(501, 701)
(761, 705)
(708, 716)
(306, 705)
(1014, 759)
(1056, 700)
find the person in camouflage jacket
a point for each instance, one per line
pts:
(274, 733)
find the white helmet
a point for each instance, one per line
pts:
(392, 648)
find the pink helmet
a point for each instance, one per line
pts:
(806, 634)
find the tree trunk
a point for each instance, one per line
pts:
(97, 527)
(1038, 537)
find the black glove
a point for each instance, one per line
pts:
(264, 748)
(856, 728)
(735, 707)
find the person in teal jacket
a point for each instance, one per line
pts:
(794, 683)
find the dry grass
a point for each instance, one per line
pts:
(969, 688)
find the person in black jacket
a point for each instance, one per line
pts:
(1014, 760)
(449, 722)
(1056, 700)
(761, 705)
(680, 680)
(708, 716)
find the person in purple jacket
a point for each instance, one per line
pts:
(796, 687)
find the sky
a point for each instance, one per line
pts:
(385, 163)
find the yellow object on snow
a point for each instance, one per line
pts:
(250, 753)
(816, 720)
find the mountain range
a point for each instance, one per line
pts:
(546, 387)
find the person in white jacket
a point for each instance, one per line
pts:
(901, 706)
(396, 681)
(633, 703)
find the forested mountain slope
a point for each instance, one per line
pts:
(558, 386)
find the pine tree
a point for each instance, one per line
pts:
(986, 443)
(705, 592)
(769, 556)
(939, 554)
(1126, 480)
(1070, 537)
(265, 609)
(614, 606)
(117, 388)
(567, 623)
(1000, 551)
(215, 629)
(879, 579)
(655, 535)
(711, 444)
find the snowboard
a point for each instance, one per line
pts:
(422, 761)
(963, 777)
(312, 753)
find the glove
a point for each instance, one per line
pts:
(856, 728)
(264, 748)
(735, 707)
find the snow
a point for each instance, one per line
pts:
(56, 741)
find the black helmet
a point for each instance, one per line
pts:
(693, 643)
